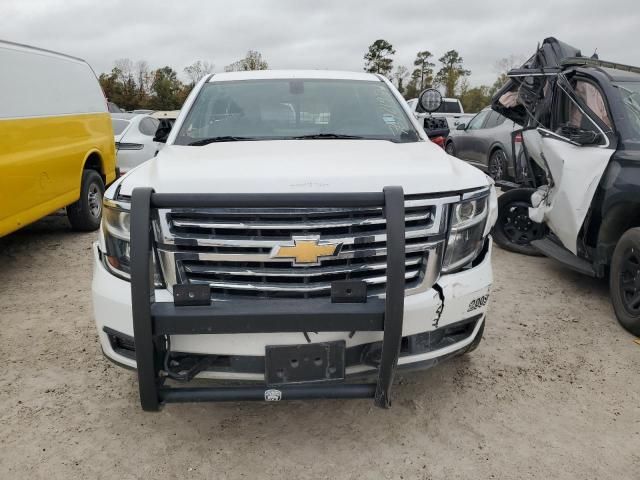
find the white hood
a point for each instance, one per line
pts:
(283, 166)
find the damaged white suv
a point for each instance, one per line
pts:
(298, 231)
(579, 202)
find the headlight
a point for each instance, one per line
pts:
(116, 241)
(467, 233)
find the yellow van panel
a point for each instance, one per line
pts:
(41, 163)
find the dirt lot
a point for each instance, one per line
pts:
(553, 392)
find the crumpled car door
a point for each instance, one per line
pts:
(575, 172)
(575, 156)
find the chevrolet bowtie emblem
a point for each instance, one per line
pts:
(306, 251)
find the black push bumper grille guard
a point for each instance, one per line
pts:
(152, 321)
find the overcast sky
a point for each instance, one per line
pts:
(324, 34)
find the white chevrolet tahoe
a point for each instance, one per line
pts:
(299, 233)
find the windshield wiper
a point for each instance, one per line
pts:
(329, 136)
(226, 138)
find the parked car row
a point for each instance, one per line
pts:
(258, 160)
(211, 236)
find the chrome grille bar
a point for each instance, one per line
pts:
(290, 225)
(230, 248)
(204, 269)
(270, 242)
(287, 287)
(265, 257)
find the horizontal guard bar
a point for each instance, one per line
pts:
(267, 200)
(294, 392)
(268, 317)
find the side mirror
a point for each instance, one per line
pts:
(430, 100)
(461, 126)
(579, 135)
(163, 131)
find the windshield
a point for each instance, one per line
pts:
(119, 126)
(290, 109)
(630, 93)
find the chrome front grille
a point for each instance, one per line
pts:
(230, 248)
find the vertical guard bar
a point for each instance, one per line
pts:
(142, 295)
(530, 179)
(394, 302)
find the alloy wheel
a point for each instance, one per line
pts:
(497, 164)
(630, 281)
(517, 225)
(95, 200)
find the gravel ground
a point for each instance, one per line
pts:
(552, 392)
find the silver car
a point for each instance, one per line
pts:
(485, 142)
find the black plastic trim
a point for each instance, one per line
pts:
(559, 253)
(115, 337)
(116, 362)
(274, 315)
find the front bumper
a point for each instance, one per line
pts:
(427, 312)
(156, 321)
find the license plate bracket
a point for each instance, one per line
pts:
(305, 363)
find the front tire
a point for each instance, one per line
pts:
(624, 281)
(514, 230)
(85, 214)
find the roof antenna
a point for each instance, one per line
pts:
(595, 54)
